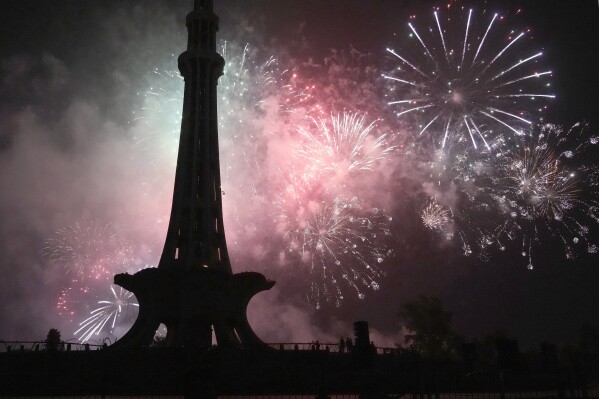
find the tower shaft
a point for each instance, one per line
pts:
(195, 236)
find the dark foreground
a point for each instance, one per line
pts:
(286, 371)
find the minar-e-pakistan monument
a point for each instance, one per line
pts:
(193, 289)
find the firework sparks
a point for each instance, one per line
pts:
(161, 111)
(89, 249)
(245, 84)
(468, 79)
(343, 142)
(69, 298)
(436, 217)
(328, 154)
(345, 79)
(339, 243)
(545, 189)
(90, 252)
(468, 221)
(458, 208)
(534, 192)
(249, 79)
(107, 314)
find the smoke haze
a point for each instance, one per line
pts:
(89, 135)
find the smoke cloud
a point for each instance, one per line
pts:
(89, 126)
(83, 151)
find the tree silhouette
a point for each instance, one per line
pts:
(53, 340)
(430, 323)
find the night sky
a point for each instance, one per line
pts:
(82, 143)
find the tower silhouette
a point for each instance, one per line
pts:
(193, 288)
(196, 234)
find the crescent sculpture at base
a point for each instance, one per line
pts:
(188, 303)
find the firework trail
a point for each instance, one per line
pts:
(298, 98)
(468, 76)
(107, 314)
(338, 244)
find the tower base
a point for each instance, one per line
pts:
(189, 303)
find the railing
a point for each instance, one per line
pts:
(35, 346)
(327, 347)
(75, 345)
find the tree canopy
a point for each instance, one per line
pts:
(430, 323)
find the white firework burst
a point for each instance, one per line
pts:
(467, 75)
(106, 315)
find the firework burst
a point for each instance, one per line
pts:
(454, 179)
(468, 220)
(330, 233)
(467, 75)
(339, 244)
(533, 192)
(107, 314)
(89, 250)
(437, 217)
(546, 189)
(345, 142)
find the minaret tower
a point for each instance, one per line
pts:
(196, 236)
(193, 291)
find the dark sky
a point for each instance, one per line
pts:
(70, 74)
(566, 31)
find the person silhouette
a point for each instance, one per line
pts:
(350, 344)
